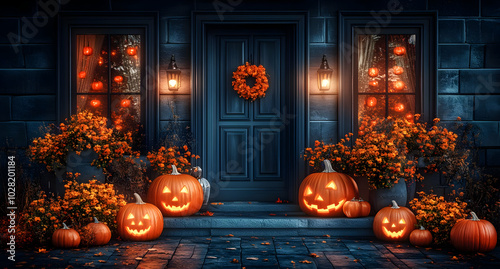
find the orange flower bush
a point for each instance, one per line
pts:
(387, 149)
(82, 131)
(163, 159)
(261, 81)
(438, 215)
(80, 203)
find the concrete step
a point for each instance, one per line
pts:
(263, 219)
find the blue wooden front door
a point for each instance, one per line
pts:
(248, 142)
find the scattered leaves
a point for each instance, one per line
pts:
(42, 250)
(207, 213)
(306, 261)
(102, 261)
(98, 254)
(265, 243)
(230, 235)
(272, 214)
(314, 255)
(265, 260)
(216, 203)
(235, 261)
(327, 235)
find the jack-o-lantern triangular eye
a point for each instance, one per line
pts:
(385, 220)
(130, 216)
(308, 192)
(402, 221)
(184, 190)
(166, 190)
(146, 216)
(332, 185)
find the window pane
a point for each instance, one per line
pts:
(371, 105)
(126, 112)
(126, 63)
(371, 63)
(401, 105)
(95, 103)
(92, 63)
(402, 63)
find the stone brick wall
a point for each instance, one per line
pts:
(468, 76)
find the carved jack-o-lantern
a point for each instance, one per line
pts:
(324, 194)
(139, 221)
(394, 223)
(176, 194)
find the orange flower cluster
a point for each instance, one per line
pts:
(163, 159)
(81, 202)
(386, 150)
(438, 215)
(82, 131)
(240, 83)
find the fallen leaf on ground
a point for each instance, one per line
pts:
(254, 237)
(54, 258)
(314, 255)
(327, 235)
(356, 260)
(323, 242)
(102, 261)
(42, 250)
(292, 262)
(272, 214)
(230, 235)
(398, 246)
(306, 261)
(293, 246)
(265, 260)
(207, 213)
(98, 254)
(235, 261)
(265, 243)
(454, 258)
(253, 258)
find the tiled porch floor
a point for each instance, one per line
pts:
(255, 252)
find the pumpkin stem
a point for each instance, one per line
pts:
(65, 226)
(328, 167)
(422, 227)
(174, 170)
(95, 220)
(394, 204)
(138, 199)
(360, 199)
(353, 199)
(474, 216)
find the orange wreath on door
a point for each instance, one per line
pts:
(240, 83)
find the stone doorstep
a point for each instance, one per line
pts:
(263, 219)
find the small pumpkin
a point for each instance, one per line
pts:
(176, 194)
(139, 221)
(394, 223)
(101, 233)
(324, 194)
(420, 237)
(87, 51)
(356, 208)
(373, 72)
(66, 237)
(400, 51)
(474, 235)
(97, 85)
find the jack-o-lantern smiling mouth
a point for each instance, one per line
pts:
(173, 208)
(398, 234)
(136, 232)
(333, 207)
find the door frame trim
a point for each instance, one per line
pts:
(298, 20)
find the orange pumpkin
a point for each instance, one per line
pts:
(420, 237)
(82, 74)
(400, 51)
(474, 235)
(371, 101)
(373, 72)
(356, 208)
(139, 221)
(87, 51)
(95, 103)
(324, 194)
(373, 83)
(125, 102)
(132, 51)
(176, 194)
(100, 232)
(399, 107)
(394, 223)
(399, 85)
(118, 79)
(65, 237)
(398, 70)
(97, 85)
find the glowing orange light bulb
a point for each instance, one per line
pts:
(125, 103)
(398, 70)
(373, 72)
(399, 107)
(399, 85)
(82, 74)
(87, 51)
(371, 101)
(373, 83)
(95, 103)
(132, 51)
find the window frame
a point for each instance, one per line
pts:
(353, 23)
(76, 23)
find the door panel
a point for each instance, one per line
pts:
(251, 156)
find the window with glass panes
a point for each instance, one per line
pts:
(108, 76)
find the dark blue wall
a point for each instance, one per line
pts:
(468, 79)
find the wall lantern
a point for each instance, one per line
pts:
(173, 75)
(324, 75)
